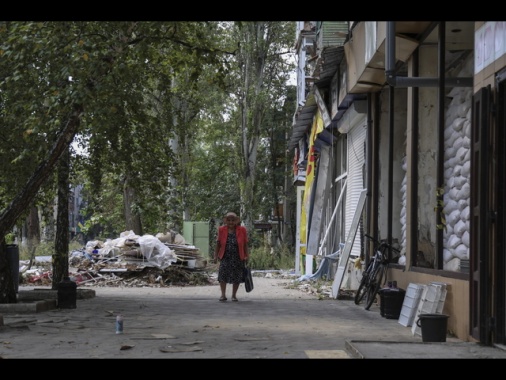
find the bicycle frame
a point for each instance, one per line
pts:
(368, 277)
(378, 277)
(374, 275)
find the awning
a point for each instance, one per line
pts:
(304, 119)
(328, 62)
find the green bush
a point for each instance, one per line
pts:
(45, 249)
(265, 258)
(74, 246)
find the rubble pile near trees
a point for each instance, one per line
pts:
(130, 261)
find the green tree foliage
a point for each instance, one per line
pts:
(167, 119)
(95, 80)
(261, 72)
(235, 129)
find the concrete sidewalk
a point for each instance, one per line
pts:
(274, 321)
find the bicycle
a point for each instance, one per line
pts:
(374, 273)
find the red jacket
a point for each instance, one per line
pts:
(242, 241)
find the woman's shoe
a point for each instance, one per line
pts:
(234, 299)
(222, 299)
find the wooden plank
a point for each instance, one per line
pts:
(113, 270)
(343, 261)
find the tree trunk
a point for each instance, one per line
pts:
(32, 233)
(26, 195)
(132, 219)
(61, 244)
(48, 232)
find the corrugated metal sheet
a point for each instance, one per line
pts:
(332, 33)
(327, 64)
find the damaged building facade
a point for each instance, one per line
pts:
(402, 123)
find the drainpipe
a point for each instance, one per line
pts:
(396, 81)
(390, 195)
(371, 226)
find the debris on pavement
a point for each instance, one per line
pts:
(129, 261)
(175, 349)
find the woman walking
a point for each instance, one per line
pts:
(232, 252)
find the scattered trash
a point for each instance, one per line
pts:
(130, 260)
(172, 349)
(119, 324)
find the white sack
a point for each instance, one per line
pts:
(465, 192)
(452, 265)
(460, 228)
(447, 255)
(454, 241)
(462, 252)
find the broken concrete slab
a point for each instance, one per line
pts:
(50, 294)
(36, 306)
(38, 300)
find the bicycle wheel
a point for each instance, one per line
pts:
(375, 285)
(363, 286)
(371, 286)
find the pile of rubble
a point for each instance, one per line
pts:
(129, 261)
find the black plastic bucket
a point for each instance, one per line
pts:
(391, 301)
(434, 327)
(67, 294)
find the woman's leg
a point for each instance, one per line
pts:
(234, 291)
(223, 288)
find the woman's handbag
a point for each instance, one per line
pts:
(248, 279)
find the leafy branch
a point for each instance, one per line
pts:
(439, 209)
